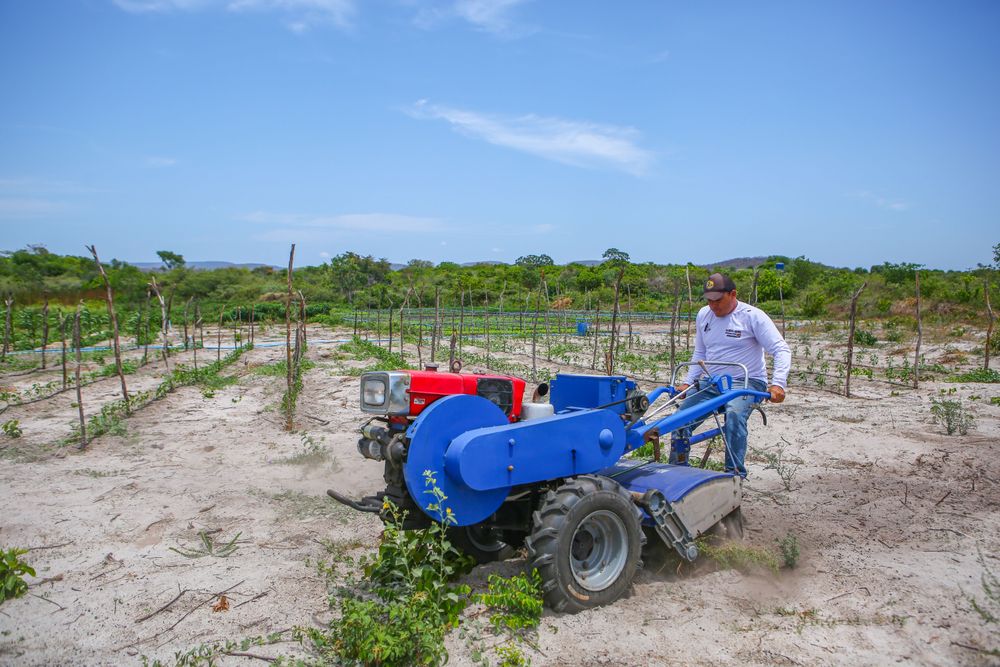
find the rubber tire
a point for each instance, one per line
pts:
(486, 548)
(554, 524)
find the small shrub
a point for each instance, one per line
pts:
(864, 338)
(12, 569)
(400, 613)
(789, 547)
(12, 428)
(516, 602)
(209, 547)
(979, 375)
(512, 656)
(989, 609)
(952, 415)
(778, 462)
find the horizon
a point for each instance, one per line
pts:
(484, 130)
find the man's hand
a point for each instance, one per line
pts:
(777, 393)
(681, 388)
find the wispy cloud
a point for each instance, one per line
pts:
(577, 143)
(314, 226)
(885, 203)
(492, 16)
(297, 15)
(19, 209)
(155, 161)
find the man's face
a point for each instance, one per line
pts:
(723, 306)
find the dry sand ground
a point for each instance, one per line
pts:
(889, 512)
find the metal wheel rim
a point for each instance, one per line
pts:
(599, 550)
(484, 539)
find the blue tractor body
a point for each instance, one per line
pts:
(535, 480)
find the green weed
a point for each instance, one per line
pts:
(789, 548)
(740, 557)
(209, 547)
(12, 429)
(12, 571)
(989, 375)
(953, 415)
(515, 602)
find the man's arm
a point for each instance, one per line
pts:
(769, 337)
(698, 355)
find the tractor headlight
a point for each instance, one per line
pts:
(385, 393)
(373, 392)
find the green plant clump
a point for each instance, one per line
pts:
(989, 375)
(12, 569)
(864, 338)
(402, 610)
(12, 429)
(952, 415)
(740, 557)
(516, 602)
(789, 547)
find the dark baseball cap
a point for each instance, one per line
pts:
(717, 286)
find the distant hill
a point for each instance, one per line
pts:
(198, 266)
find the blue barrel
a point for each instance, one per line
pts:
(581, 328)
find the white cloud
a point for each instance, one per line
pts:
(885, 203)
(493, 16)
(18, 209)
(577, 143)
(157, 161)
(325, 255)
(380, 223)
(298, 15)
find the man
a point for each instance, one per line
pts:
(730, 330)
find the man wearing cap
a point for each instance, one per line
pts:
(733, 331)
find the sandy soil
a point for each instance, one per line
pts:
(891, 516)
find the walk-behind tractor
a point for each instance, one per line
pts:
(550, 475)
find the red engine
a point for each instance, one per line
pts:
(407, 393)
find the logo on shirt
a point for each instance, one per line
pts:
(734, 333)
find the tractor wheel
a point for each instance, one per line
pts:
(586, 543)
(482, 543)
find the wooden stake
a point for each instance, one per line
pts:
(164, 322)
(218, 334)
(187, 307)
(63, 320)
(197, 327)
(674, 313)
(288, 339)
(110, 300)
(989, 327)
(920, 332)
(79, 362)
(437, 322)
(850, 339)
(9, 303)
(687, 276)
(597, 331)
(45, 330)
(486, 294)
(614, 324)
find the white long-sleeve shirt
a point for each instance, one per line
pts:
(742, 336)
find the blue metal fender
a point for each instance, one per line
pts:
(563, 445)
(430, 436)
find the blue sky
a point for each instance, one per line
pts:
(464, 130)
